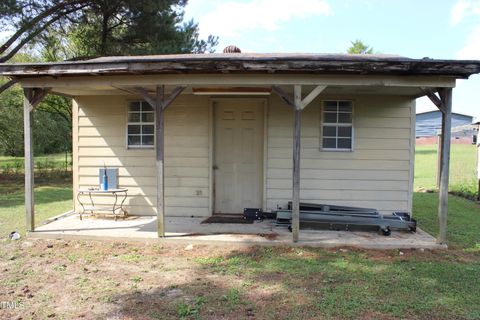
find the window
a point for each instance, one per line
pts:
(337, 125)
(141, 125)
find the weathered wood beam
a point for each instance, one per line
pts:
(434, 98)
(160, 158)
(143, 92)
(283, 95)
(297, 132)
(446, 97)
(175, 93)
(32, 97)
(312, 95)
(297, 104)
(439, 159)
(254, 64)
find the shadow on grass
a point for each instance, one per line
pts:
(463, 219)
(198, 299)
(300, 283)
(426, 151)
(46, 191)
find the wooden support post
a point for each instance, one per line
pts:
(159, 103)
(159, 147)
(478, 166)
(32, 97)
(29, 173)
(446, 97)
(297, 131)
(297, 105)
(439, 158)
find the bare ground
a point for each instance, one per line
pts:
(57, 279)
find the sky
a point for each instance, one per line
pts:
(439, 29)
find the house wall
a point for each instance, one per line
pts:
(378, 173)
(101, 138)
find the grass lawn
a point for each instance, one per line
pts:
(51, 198)
(59, 279)
(463, 163)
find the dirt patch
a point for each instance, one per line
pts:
(55, 279)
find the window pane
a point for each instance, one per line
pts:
(329, 131)
(329, 117)
(344, 143)
(133, 129)
(329, 143)
(344, 131)
(147, 140)
(134, 106)
(133, 140)
(147, 117)
(147, 129)
(146, 107)
(345, 118)
(134, 117)
(345, 106)
(330, 105)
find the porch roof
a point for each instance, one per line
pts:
(247, 63)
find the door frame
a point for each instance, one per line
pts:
(211, 147)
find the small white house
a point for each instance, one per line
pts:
(200, 134)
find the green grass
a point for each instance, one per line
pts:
(462, 168)
(269, 283)
(463, 219)
(51, 198)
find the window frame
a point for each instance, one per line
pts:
(351, 125)
(128, 123)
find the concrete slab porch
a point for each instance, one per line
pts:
(191, 230)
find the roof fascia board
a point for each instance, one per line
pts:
(246, 80)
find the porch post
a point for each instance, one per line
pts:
(32, 97)
(446, 97)
(159, 147)
(439, 157)
(297, 92)
(159, 103)
(297, 104)
(29, 174)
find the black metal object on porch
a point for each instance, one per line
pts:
(314, 216)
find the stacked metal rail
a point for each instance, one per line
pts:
(314, 216)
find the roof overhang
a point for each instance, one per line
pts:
(235, 63)
(342, 74)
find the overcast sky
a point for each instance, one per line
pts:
(446, 29)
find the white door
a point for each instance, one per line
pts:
(238, 155)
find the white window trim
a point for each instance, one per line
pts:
(337, 125)
(138, 123)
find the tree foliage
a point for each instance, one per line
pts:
(83, 28)
(358, 47)
(51, 131)
(74, 29)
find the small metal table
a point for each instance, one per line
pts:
(116, 209)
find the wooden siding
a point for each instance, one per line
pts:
(377, 173)
(101, 137)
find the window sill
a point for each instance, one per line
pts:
(140, 147)
(336, 150)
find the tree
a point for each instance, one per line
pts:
(32, 19)
(358, 47)
(74, 29)
(101, 27)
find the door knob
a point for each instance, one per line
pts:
(215, 167)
